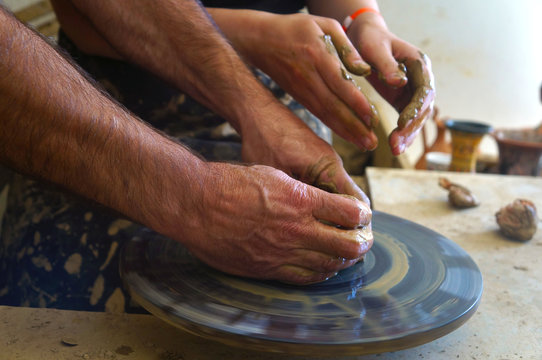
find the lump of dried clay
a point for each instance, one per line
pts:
(518, 220)
(458, 196)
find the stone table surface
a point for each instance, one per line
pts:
(508, 322)
(507, 325)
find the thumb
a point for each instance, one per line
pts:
(352, 189)
(346, 211)
(340, 182)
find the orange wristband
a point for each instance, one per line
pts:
(350, 18)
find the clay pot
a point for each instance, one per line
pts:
(466, 137)
(519, 151)
(439, 150)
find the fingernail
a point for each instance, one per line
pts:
(360, 68)
(363, 68)
(368, 143)
(365, 214)
(399, 149)
(398, 78)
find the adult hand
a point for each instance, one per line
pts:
(251, 221)
(403, 76)
(284, 142)
(256, 221)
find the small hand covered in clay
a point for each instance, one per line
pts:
(403, 77)
(458, 196)
(258, 222)
(292, 51)
(518, 220)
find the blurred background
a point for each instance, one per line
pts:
(486, 55)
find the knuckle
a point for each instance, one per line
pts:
(333, 24)
(302, 195)
(355, 250)
(356, 214)
(353, 253)
(311, 52)
(370, 47)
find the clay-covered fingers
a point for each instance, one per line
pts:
(339, 81)
(401, 138)
(420, 78)
(343, 228)
(328, 174)
(282, 235)
(380, 55)
(344, 55)
(350, 244)
(418, 110)
(357, 129)
(344, 211)
(346, 51)
(293, 274)
(350, 188)
(348, 103)
(312, 72)
(345, 186)
(319, 262)
(377, 45)
(414, 100)
(405, 78)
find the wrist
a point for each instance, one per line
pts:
(167, 195)
(349, 19)
(361, 17)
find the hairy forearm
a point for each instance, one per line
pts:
(58, 127)
(179, 42)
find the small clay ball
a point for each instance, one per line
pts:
(458, 196)
(518, 220)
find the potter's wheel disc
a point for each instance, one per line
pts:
(413, 287)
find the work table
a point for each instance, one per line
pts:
(507, 325)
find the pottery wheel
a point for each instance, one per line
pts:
(413, 287)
